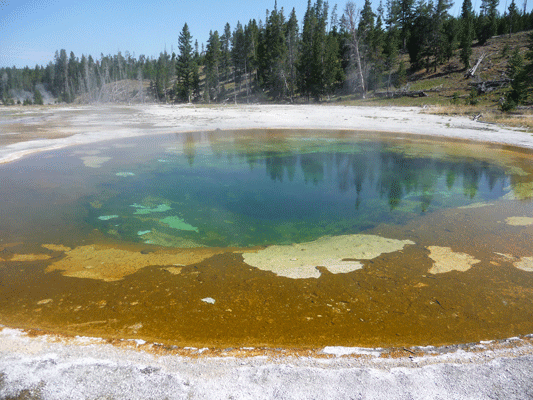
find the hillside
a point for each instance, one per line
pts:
(448, 91)
(444, 91)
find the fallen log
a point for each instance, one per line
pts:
(471, 72)
(489, 86)
(400, 93)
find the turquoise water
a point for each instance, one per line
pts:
(245, 191)
(241, 188)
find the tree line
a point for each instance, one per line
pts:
(279, 58)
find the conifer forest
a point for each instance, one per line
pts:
(285, 57)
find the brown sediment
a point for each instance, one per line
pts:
(29, 257)
(6, 246)
(524, 344)
(392, 302)
(56, 247)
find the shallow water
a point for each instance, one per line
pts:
(189, 239)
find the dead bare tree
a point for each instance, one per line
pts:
(350, 20)
(472, 71)
(140, 80)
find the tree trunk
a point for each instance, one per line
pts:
(471, 72)
(359, 68)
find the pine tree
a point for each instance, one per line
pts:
(406, 16)
(37, 97)
(402, 74)
(514, 17)
(273, 55)
(450, 43)
(73, 83)
(420, 39)
(292, 40)
(212, 63)
(333, 73)
(319, 48)
(161, 81)
(306, 53)
(225, 57)
(516, 64)
(366, 31)
(238, 55)
(318, 68)
(251, 38)
(488, 24)
(195, 79)
(515, 71)
(378, 49)
(61, 87)
(467, 32)
(371, 30)
(439, 41)
(185, 66)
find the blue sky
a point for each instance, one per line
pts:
(31, 31)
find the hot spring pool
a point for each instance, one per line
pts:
(271, 238)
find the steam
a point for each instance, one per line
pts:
(47, 96)
(19, 95)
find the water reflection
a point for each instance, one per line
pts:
(255, 187)
(364, 169)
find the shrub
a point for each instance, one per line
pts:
(472, 98)
(37, 98)
(508, 105)
(455, 98)
(506, 50)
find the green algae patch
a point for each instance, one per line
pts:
(158, 238)
(338, 254)
(107, 217)
(94, 161)
(446, 260)
(177, 223)
(520, 191)
(143, 210)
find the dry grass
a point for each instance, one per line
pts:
(518, 119)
